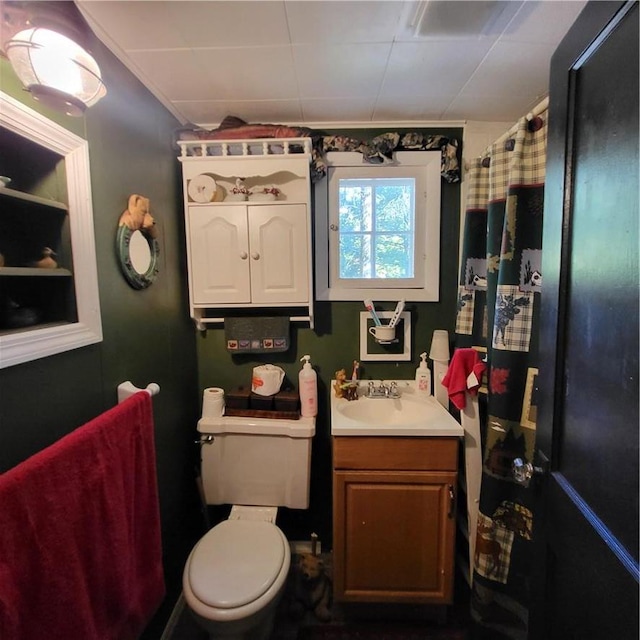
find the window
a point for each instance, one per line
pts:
(378, 228)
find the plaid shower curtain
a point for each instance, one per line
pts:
(498, 314)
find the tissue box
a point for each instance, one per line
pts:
(260, 403)
(287, 400)
(238, 398)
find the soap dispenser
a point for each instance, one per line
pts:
(308, 389)
(423, 377)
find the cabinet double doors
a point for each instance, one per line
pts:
(254, 254)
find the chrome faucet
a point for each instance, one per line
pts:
(383, 390)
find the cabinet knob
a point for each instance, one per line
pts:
(255, 255)
(243, 255)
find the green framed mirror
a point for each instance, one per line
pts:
(138, 255)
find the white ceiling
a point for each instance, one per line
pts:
(313, 62)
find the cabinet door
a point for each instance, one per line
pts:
(279, 253)
(218, 254)
(394, 535)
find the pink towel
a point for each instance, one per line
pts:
(464, 363)
(80, 549)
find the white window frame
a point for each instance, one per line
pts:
(427, 224)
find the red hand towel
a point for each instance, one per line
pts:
(463, 363)
(80, 551)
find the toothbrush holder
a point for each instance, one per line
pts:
(383, 333)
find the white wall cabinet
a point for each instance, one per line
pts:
(255, 253)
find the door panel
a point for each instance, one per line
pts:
(218, 238)
(585, 569)
(279, 253)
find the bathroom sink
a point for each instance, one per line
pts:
(408, 415)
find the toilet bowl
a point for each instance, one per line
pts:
(235, 577)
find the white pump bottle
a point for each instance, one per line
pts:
(308, 389)
(423, 377)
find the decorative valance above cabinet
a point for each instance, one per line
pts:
(248, 228)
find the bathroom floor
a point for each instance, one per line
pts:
(290, 627)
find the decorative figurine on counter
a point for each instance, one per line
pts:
(347, 389)
(137, 216)
(341, 377)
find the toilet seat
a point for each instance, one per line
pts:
(236, 562)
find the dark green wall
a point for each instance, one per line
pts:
(148, 336)
(333, 345)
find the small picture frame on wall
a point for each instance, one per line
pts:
(398, 350)
(530, 401)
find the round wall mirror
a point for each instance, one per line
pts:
(138, 255)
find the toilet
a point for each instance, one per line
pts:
(236, 573)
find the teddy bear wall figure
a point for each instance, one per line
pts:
(137, 216)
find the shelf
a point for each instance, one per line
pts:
(31, 199)
(202, 321)
(244, 203)
(245, 149)
(35, 327)
(33, 271)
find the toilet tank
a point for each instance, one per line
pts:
(257, 461)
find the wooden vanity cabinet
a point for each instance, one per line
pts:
(394, 519)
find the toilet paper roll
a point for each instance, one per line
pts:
(213, 402)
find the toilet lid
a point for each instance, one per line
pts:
(236, 562)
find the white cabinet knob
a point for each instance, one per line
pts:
(244, 255)
(255, 255)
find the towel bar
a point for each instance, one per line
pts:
(127, 389)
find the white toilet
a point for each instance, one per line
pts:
(236, 573)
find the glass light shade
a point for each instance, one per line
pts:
(440, 346)
(56, 70)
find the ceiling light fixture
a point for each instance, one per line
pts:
(55, 70)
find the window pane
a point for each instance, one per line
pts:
(355, 256)
(354, 205)
(394, 256)
(395, 206)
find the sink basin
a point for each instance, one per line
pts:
(409, 415)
